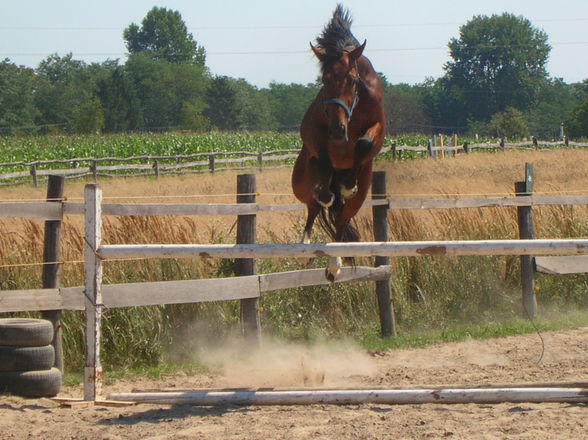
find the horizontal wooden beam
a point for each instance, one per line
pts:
(383, 249)
(39, 210)
(355, 397)
(562, 265)
(180, 292)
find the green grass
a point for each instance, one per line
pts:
(548, 321)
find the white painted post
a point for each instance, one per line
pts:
(93, 293)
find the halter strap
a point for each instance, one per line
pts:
(348, 110)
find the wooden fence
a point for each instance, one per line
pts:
(95, 168)
(94, 296)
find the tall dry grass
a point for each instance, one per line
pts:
(429, 291)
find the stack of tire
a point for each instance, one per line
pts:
(27, 358)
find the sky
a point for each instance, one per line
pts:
(268, 40)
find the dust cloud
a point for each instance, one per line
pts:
(276, 363)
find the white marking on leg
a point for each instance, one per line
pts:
(334, 269)
(347, 193)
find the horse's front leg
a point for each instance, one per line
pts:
(321, 172)
(366, 149)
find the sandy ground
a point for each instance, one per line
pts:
(513, 360)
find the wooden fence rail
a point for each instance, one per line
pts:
(56, 211)
(94, 296)
(149, 165)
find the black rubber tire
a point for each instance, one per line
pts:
(25, 332)
(42, 383)
(26, 358)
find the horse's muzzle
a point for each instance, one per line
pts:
(338, 132)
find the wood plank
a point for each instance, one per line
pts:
(179, 209)
(316, 277)
(562, 265)
(33, 300)
(39, 210)
(368, 249)
(93, 291)
(236, 209)
(179, 292)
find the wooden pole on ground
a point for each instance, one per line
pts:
(527, 231)
(93, 293)
(51, 272)
(358, 396)
(380, 216)
(246, 234)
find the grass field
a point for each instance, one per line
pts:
(434, 297)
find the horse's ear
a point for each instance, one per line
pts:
(356, 53)
(319, 52)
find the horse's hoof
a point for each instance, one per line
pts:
(325, 198)
(329, 276)
(347, 193)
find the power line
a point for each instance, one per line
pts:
(294, 52)
(268, 27)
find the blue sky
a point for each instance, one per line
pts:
(266, 40)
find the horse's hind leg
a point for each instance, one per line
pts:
(313, 209)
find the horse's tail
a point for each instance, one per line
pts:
(328, 220)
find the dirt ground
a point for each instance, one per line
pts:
(512, 360)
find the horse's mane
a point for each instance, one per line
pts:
(336, 36)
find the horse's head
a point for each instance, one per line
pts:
(341, 86)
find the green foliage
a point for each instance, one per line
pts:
(17, 110)
(53, 147)
(88, 117)
(289, 102)
(164, 88)
(405, 109)
(499, 60)
(510, 124)
(578, 122)
(554, 105)
(222, 106)
(163, 36)
(119, 100)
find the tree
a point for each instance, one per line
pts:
(554, 105)
(164, 36)
(289, 103)
(17, 109)
(88, 117)
(64, 84)
(405, 110)
(222, 107)
(509, 124)
(578, 122)
(119, 101)
(498, 62)
(164, 89)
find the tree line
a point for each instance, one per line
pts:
(495, 84)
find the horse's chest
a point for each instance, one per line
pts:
(342, 155)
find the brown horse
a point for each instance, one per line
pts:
(342, 131)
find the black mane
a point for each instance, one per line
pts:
(337, 36)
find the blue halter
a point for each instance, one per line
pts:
(348, 110)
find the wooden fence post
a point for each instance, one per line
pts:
(380, 216)
(93, 291)
(34, 174)
(51, 272)
(260, 160)
(156, 168)
(211, 163)
(430, 150)
(246, 234)
(527, 231)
